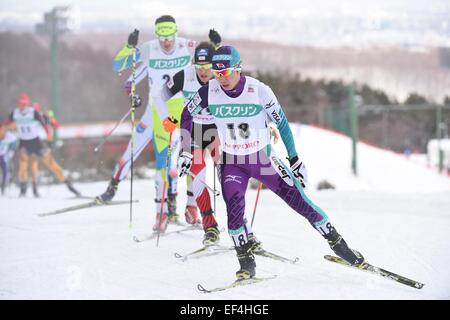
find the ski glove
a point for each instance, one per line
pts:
(274, 134)
(133, 39)
(184, 163)
(214, 37)
(136, 102)
(299, 170)
(170, 124)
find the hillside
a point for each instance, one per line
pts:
(395, 70)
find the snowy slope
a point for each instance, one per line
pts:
(397, 214)
(328, 156)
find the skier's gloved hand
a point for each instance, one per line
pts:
(133, 39)
(170, 124)
(136, 102)
(214, 37)
(184, 163)
(274, 134)
(299, 170)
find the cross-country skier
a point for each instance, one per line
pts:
(50, 120)
(161, 59)
(188, 81)
(28, 122)
(8, 145)
(242, 106)
(52, 125)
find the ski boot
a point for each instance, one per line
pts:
(211, 236)
(72, 188)
(23, 189)
(341, 249)
(172, 207)
(208, 219)
(255, 244)
(191, 215)
(161, 224)
(110, 192)
(246, 261)
(35, 190)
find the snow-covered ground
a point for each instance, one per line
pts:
(397, 213)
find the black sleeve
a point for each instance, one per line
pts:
(46, 118)
(176, 85)
(39, 117)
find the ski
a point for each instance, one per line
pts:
(81, 197)
(235, 284)
(183, 224)
(207, 251)
(204, 251)
(93, 203)
(268, 254)
(164, 234)
(378, 271)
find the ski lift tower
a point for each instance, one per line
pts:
(55, 24)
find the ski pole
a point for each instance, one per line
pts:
(276, 137)
(97, 148)
(214, 186)
(164, 187)
(216, 192)
(256, 201)
(133, 109)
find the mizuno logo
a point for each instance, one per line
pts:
(230, 178)
(270, 104)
